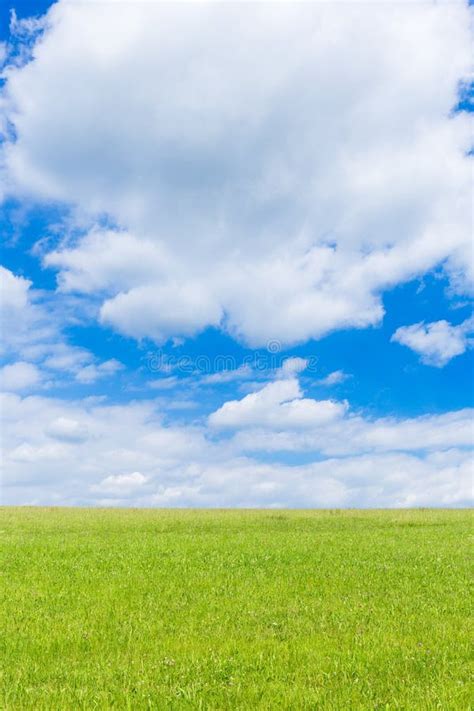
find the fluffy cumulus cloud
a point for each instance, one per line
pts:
(278, 418)
(14, 292)
(437, 343)
(267, 169)
(19, 376)
(131, 454)
(279, 404)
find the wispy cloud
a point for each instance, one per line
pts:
(32, 338)
(334, 378)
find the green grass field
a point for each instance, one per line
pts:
(153, 609)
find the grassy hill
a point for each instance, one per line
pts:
(153, 609)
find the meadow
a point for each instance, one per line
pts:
(201, 609)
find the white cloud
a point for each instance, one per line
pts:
(68, 430)
(14, 291)
(291, 367)
(277, 405)
(243, 372)
(353, 434)
(278, 418)
(272, 194)
(334, 378)
(31, 331)
(105, 258)
(61, 356)
(91, 373)
(22, 321)
(126, 455)
(120, 484)
(19, 376)
(438, 342)
(164, 383)
(160, 312)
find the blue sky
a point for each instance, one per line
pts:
(234, 276)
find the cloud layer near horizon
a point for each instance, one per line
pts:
(93, 453)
